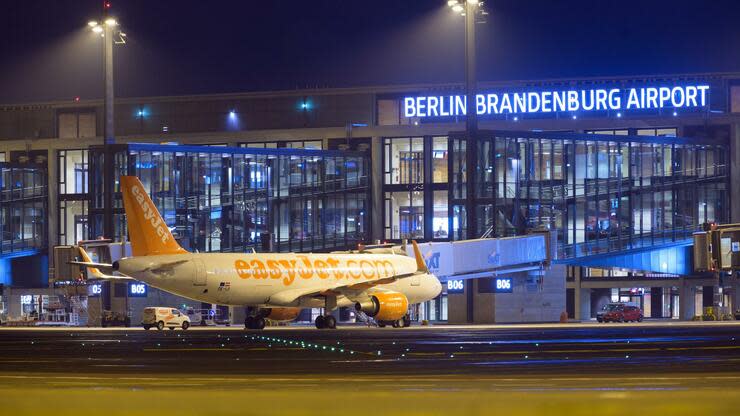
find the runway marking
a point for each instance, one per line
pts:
(544, 351)
(587, 324)
(198, 349)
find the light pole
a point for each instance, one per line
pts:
(111, 33)
(470, 9)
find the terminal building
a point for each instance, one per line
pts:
(620, 172)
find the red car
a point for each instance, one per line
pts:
(619, 312)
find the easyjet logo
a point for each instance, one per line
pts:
(150, 214)
(304, 268)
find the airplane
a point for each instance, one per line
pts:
(276, 286)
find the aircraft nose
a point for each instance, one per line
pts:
(437, 286)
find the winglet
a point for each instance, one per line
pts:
(421, 265)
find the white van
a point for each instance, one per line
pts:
(161, 317)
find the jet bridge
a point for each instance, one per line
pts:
(487, 257)
(494, 280)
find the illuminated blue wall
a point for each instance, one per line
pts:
(676, 259)
(25, 269)
(5, 278)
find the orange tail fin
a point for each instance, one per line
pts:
(147, 230)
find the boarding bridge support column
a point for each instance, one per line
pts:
(376, 188)
(52, 207)
(584, 299)
(656, 302)
(735, 296)
(581, 297)
(687, 299)
(735, 171)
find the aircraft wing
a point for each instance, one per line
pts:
(351, 290)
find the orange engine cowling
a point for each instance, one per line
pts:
(280, 314)
(384, 306)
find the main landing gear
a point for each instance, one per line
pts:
(254, 322)
(398, 323)
(328, 322)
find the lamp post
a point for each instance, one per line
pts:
(470, 9)
(111, 33)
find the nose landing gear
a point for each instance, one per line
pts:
(254, 322)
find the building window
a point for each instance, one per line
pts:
(72, 222)
(305, 144)
(441, 219)
(73, 167)
(404, 215)
(2, 156)
(260, 145)
(76, 125)
(664, 132)
(618, 132)
(404, 160)
(293, 144)
(439, 159)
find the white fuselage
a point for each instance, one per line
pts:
(279, 279)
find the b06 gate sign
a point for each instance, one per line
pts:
(503, 285)
(455, 286)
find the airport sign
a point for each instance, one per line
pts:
(560, 101)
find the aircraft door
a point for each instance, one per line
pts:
(200, 276)
(416, 279)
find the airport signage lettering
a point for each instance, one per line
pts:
(553, 101)
(95, 289)
(305, 268)
(150, 214)
(137, 290)
(504, 285)
(433, 262)
(455, 286)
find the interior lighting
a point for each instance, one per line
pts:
(111, 22)
(97, 29)
(92, 23)
(457, 8)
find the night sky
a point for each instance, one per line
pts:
(186, 47)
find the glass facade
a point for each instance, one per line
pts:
(23, 199)
(416, 179)
(598, 192)
(228, 199)
(291, 144)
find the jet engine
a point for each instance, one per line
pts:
(279, 314)
(384, 306)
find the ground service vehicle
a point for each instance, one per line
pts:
(164, 317)
(276, 285)
(619, 312)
